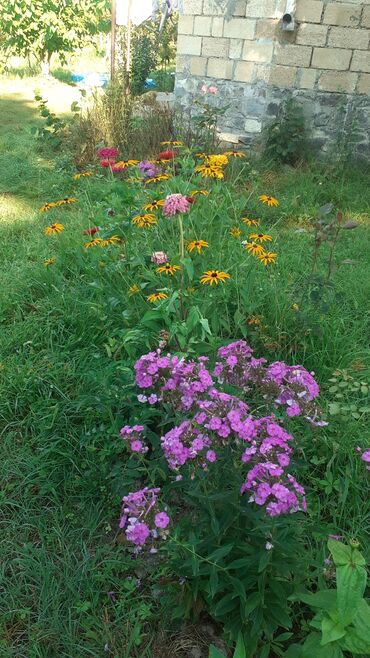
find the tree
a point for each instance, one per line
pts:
(44, 27)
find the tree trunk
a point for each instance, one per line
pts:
(45, 63)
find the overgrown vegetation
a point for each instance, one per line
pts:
(74, 320)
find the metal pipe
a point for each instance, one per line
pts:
(288, 19)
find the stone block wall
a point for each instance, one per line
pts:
(324, 63)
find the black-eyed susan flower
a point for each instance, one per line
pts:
(172, 143)
(214, 276)
(84, 174)
(53, 229)
(133, 180)
(254, 248)
(267, 258)
(254, 320)
(234, 154)
(133, 289)
(196, 244)
(268, 200)
(49, 261)
(95, 242)
(217, 160)
(168, 269)
(67, 201)
(114, 239)
(249, 222)
(127, 163)
(260, 237)
(208, 171)
(145, 220)
(156, 297)
(235, 232)
(154, 205)
(48, 206)
(157, 179)
(201, 192)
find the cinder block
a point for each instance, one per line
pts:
(346, 37)
(282, 76)
(186, 25)
(239, 9)
(292, 55)
(182, 64)
(220, 68)
(257, 51)
(337, 59)
(306, 78)
(217, 26)
(202, 26)
(361, 61)
(261, 9)
(193, 6)
(363, 86)
(188, 45)
(366, 17)
(309, 10)
(267, 28)
(236, 48)
(244, 71)
(239, 28)
(215, 47)
(341, 82)
(211, 8)
(342, 14)
(198, 65)
(311, 34)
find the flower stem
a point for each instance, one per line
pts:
(182, 256)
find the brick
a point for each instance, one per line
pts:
(220, 68)
(182, 64)
(198, 65)
(267, 28)
(361, 61)
(261, 9)
(240, 28)
(193, 6)
(186, 25)
(343, 14)
(331, 58)
(363, 86)
(217, 26)
(346, 37)
(231, 138)
(366, 17)
(334, 81)
(239, 8)
(187, 45)
(253, 126)
(215, 47)
(236, 48)
(311, 34)
(309, 10)
(291, 55)
(202, 26)
(282, 76)
(244, 71)
(257, 51)
(306, 78)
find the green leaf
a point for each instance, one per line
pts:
(294, 651)
(351, 583)
(215, 653)
(325, 599)
(252, 602)
(313, 648)
(331, 631)
(221, 552)
(189, 267)
(340, 552)
(240, 648)
(357, 638)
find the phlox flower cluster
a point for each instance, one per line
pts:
(292, 387)
(186, 442)
(141, 519)
(133, 437)
(175, 204)
(173, 380)
(269, 454)
(148, 169)
(365, 456)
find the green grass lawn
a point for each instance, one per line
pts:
(68, 588)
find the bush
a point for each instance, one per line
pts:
(286, 137)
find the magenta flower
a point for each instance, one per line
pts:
(107, 152)
(137, 533)
(175, 204)
(366, 456)
(161, 520)
(159, 257)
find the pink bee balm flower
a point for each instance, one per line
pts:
(107, 152)
(161, 520)
(174, 204)
(159, 257)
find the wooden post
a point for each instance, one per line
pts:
(113, 40)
